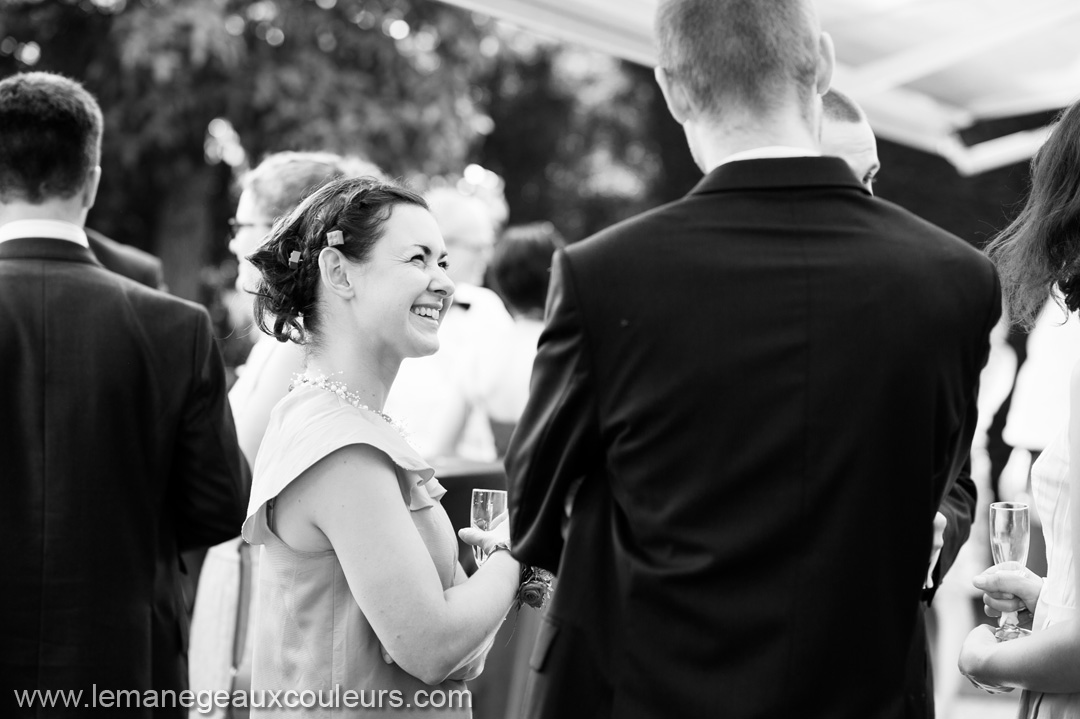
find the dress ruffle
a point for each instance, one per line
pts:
(330, 423)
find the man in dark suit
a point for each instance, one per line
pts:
(126, 260)
(846, 133)
(118, 445)
(751, 403)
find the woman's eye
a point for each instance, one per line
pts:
(445, 264)
(418, 258)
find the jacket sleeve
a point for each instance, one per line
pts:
(958, 506)
(210, 478)
(959, 503)
(557, 441)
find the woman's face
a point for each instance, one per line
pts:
(403, 291)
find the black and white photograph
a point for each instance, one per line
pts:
(540, 359)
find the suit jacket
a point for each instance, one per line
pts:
(958, 506)
(119, 452)
(771, 384)
(125, 260)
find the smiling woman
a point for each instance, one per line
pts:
(357, 550)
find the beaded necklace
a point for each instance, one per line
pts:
(343, 392)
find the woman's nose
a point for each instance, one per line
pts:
(441, 284)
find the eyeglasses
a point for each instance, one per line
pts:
(235, 226)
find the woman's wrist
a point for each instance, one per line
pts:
(501, 550)
(1000, 665)
(504, 564)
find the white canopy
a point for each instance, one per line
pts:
(922, 69)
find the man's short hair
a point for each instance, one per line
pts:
(462, 218)
(838, 107)
(283, 179)
(521, 265)
(744, 53)
(50, 137)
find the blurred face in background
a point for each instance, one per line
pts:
(467, 226)
(470, 255)
(250, 229)
(855, 144)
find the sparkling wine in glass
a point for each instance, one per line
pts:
(487, 506)
(1010, 534)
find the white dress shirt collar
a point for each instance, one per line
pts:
(768, 153)
(48, 229)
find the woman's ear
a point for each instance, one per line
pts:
(334, 270)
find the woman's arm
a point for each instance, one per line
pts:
(351, 501)
(1048, 660)
(473, 665)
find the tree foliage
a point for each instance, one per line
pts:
(419, 87)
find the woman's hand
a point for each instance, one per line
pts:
(1008, 587)
(499, 534)
(975, 657)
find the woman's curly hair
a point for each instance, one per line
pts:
(287, 297)
(1041, 247)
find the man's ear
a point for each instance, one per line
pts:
(826, 63)
(89, 194)
(678, 102)
(334, 270)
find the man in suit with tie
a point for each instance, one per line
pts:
(119, 449)
(745, 410)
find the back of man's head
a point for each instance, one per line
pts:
(846, 133)
(748, 55)
(838, 107)
(283, 179)
(521, 266)
(50, 137)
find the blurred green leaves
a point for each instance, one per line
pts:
(419, 87)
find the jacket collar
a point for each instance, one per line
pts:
(46, 248)
(779, 173)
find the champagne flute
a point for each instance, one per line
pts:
(487, 506)
(1010, 534)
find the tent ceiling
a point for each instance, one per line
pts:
(922, 69)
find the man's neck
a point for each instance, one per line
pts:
(713, 143)
(65, 210)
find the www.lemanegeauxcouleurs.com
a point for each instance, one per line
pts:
(206, 701)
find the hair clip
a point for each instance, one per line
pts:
(294, 259)
(335, 238)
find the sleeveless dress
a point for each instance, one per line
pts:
(310, 637)
(1057, 601)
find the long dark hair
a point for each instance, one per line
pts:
(1041, 248)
